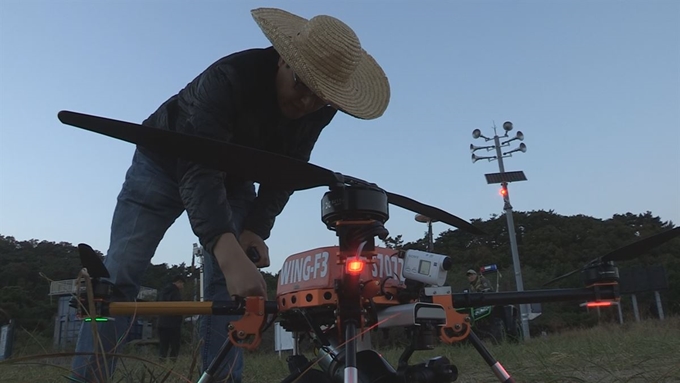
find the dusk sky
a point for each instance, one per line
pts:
(594, 86)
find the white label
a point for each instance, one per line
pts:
(388, 266)
(303, 269)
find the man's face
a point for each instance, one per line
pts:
(471, 277)
(295, 99)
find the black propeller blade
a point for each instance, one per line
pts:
(635, 249)
(91, 261)
(561, 277)
(260, 166)
(432, 212)
(629, 251)
(263, 167)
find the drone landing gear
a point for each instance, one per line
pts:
(368, 366)
(436, 370)
(210, 372)
(495, 365)
(371, 368)
(245, 333)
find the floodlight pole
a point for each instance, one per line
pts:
(198, 252)
(504, 177)
(513, 241)
(430, 240)
(430, 237)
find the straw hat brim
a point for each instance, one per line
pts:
(365, 95)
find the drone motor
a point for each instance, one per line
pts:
(601, 272)
(354, 204)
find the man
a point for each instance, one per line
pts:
(478, 283)
(277, 99)
(170, 326)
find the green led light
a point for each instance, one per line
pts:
(96, 319)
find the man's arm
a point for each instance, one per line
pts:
(208, 103)
(270, 202)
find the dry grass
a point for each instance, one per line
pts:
(648, 351)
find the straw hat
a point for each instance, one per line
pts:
(327, 56)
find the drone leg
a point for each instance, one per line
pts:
(351, 372)
(298, 371)
(495, 365)
(208, 374)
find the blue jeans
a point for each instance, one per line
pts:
(148, 204)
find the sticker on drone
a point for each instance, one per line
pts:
(317, 269)
(303, 269)
(388, 265)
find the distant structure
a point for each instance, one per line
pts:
(66, 325)
(504, 178)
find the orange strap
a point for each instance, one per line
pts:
(247, 331)
(457, 325)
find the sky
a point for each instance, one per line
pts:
(594, 86)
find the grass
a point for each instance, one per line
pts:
(648, 351)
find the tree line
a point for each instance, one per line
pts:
(549, 245)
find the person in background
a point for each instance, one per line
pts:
(478, 283)
(170, 326)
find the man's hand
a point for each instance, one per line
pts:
(243, 278)
(249, 239)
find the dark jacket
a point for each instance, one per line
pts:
(234, 100)
(481, 284)
(170, 293)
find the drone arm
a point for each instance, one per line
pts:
(597, 292)
(188, 308)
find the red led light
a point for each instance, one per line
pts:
(355, 266)
(598, 304)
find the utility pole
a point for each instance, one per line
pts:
(430, 237)
(504, 178)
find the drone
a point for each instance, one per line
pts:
(334, 296)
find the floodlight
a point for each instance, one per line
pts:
(422, 218)
(476, 133)
(522, 148)
(507, 125)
